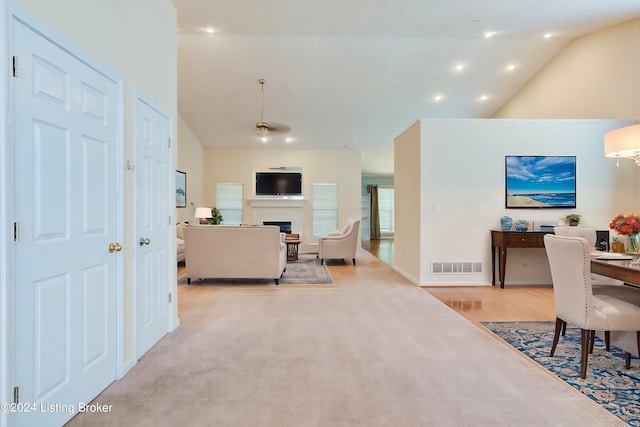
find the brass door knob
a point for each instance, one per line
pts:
(114, 247)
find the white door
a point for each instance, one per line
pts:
(65, 138)
(154, 190)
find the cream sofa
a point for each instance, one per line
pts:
(179, 242)
(229, 252)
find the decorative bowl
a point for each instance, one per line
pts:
(522, 225)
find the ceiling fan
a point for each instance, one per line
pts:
(264, 129)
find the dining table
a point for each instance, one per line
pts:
(621, 266)
(624, 267)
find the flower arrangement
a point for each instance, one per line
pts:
(626, 224)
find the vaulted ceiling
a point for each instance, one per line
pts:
(356, 73)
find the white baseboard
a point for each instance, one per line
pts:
(406, 275)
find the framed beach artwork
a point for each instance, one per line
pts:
(535, 182)
(181, 189)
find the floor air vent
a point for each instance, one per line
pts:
(456, 267)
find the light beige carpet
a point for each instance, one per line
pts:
(372, 351)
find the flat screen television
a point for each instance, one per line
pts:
(540, 182)
(278, 183)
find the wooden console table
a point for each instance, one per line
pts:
(502, 240)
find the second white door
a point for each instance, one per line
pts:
(154, 214)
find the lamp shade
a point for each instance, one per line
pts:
(623, 142)
(203, 212)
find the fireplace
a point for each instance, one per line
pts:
(277, 216)
(285, 226)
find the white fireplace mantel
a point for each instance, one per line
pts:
(277, 202)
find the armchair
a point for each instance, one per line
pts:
(340, 245)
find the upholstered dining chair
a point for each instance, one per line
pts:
(589, 234)
(342, 244)
(575, 303)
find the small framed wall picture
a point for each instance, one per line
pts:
(181, 189)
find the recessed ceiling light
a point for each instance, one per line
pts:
(209, 30)
(489, 34)
(437, 97)
(289, 139)
(548, 35)
(483, 98)
(458, 67)
(511, 67)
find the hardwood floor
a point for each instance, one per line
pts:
(486, 304)
(381, 249)
(482, 303)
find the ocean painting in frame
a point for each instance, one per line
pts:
(540, 182)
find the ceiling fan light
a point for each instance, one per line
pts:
(262, 129)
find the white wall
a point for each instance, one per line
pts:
(190, 160)
(136, 40)
(318, 166)
(462, 167)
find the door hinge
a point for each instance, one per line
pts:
(169, 296)
(15, 66)
(169, 142)
(16, 231)
(16, 394)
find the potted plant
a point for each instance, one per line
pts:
(573, 219)
(216, 216)
(617, 245)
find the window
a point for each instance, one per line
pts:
(324, 209)
(229, 202)
(385, 210)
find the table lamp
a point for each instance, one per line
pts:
(203, 213)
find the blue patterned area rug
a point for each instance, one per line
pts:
(305, 271)
(608, 382)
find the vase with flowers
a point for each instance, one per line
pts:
(628, 225)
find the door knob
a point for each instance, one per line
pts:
(114, 247)
(144, 241)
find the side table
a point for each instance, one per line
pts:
(292, 249)
(292, 241)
